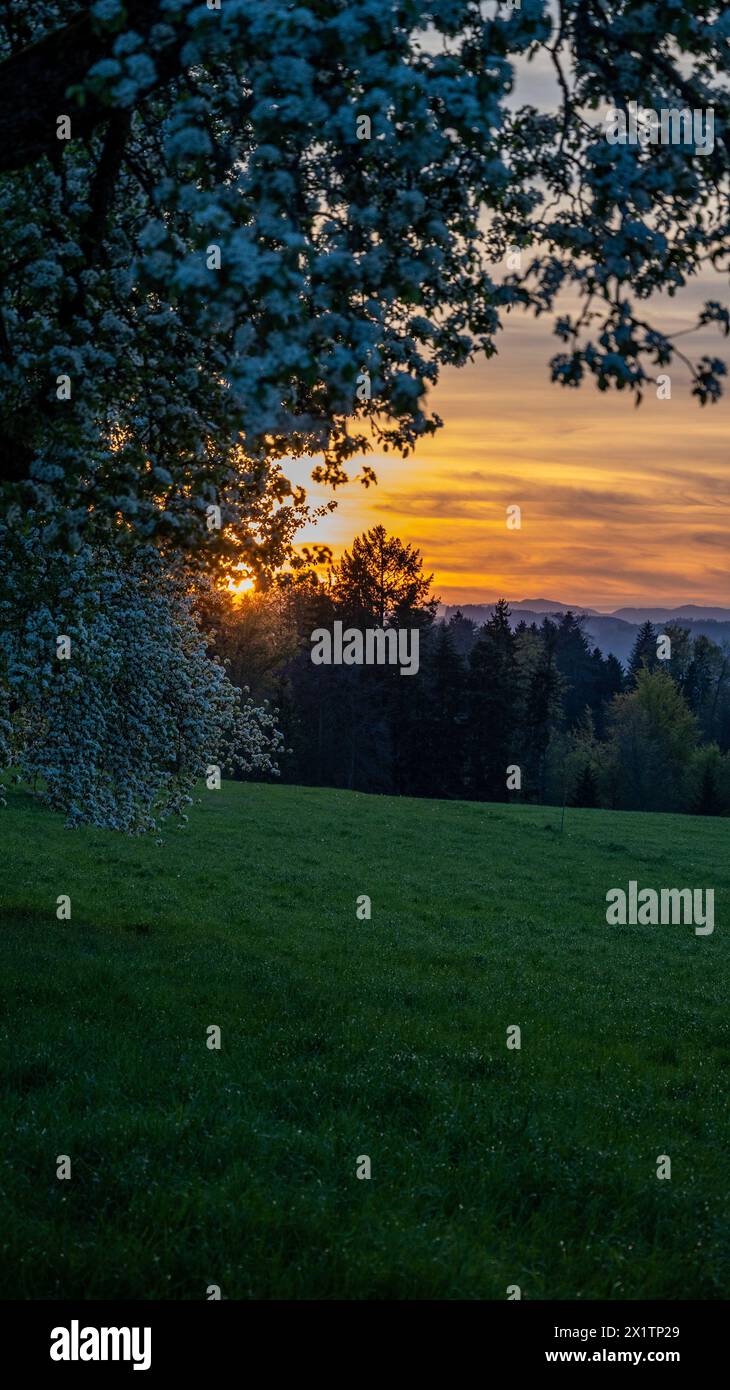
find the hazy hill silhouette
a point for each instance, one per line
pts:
(613, 633)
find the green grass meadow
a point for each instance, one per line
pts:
(340, 1038)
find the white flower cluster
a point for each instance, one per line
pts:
(257, 204)
(335, 255)
(109, 701)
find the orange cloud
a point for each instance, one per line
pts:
(619, 504)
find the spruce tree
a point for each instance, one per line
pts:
(493, 693)
(643, 652)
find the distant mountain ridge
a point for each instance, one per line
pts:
(546, 605)
(612, 632)
(695, 611)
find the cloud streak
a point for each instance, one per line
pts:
(619, 505)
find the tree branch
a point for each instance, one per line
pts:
(34, 82)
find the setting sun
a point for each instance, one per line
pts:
(241, 586)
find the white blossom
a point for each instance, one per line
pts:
(118, 735)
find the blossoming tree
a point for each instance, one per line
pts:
(241, 230)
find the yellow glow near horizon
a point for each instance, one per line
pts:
(620, 505)
(241, 586)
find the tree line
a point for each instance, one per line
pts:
(496, 712)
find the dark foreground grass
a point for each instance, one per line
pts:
(342, 1038)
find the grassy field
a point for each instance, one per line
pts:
(342, 1038)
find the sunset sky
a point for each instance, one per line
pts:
(619, 505)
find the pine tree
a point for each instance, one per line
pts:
(643, 652)
(574, 662)
(440, 757)
(493, 694)
(381, 581)
(543, 706)
(463, 632)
